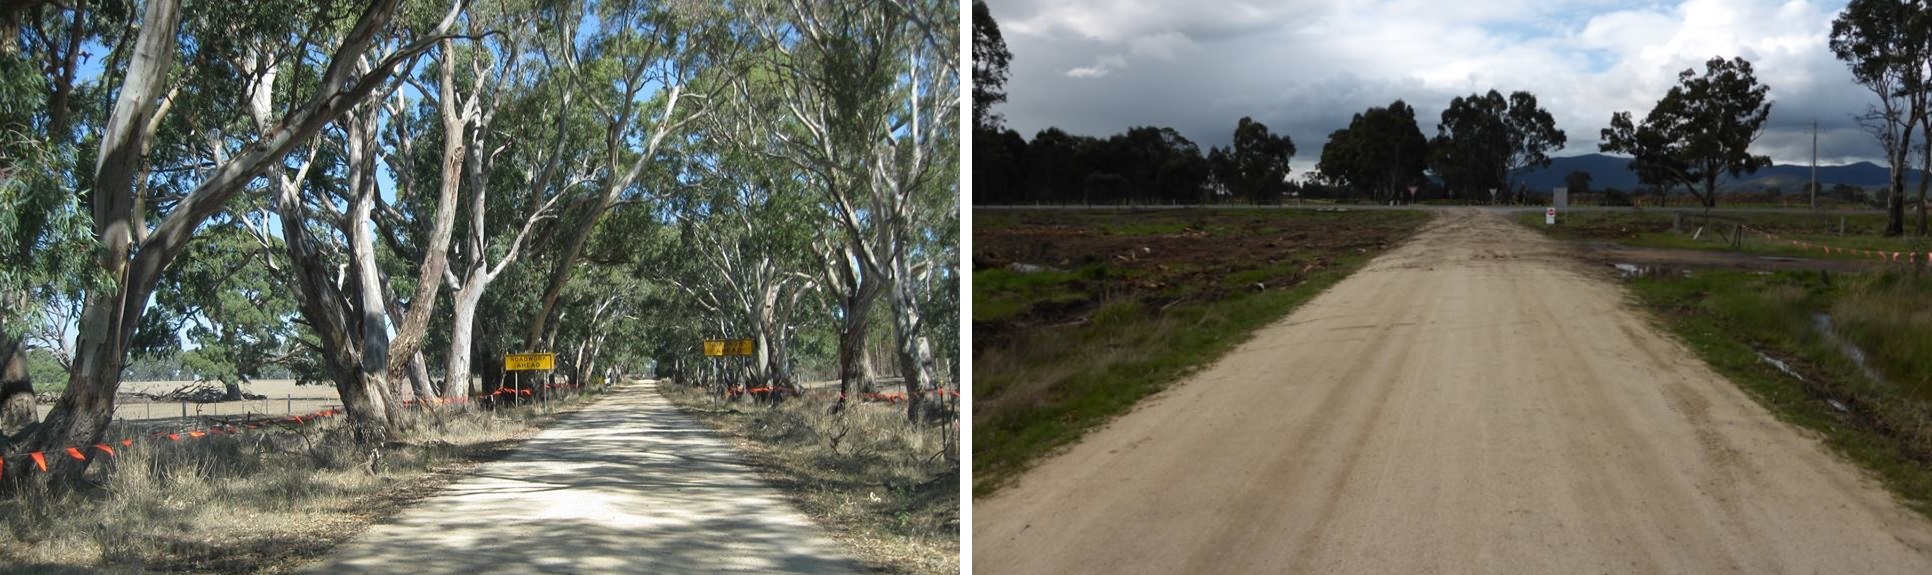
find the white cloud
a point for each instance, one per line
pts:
(1306, 66)
(1101, 68)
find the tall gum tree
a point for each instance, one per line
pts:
(873, 106)
(133, 255)
(642, 72)
(1701, 129)
(1888, 46)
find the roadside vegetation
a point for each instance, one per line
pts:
(392, 197)
(1078, 315)
(264, 501)
(1653, 229)
(1877, 411)
(886, 488)
(1841, 353)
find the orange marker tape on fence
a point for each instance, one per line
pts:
(76, 454)
(105, 448)
(174, 437)
(40, 460)
(127, 442)
(197, 434)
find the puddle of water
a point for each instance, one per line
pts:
(1822, 323)
(1637, 271)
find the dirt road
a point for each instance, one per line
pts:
(1471, 402)
(628, 485)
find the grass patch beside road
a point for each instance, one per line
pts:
(1730, 317)
(1080, 314)
(265, 501)
(1652, 229)
(887, 489)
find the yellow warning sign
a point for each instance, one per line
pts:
(722, 347)
(529, 361)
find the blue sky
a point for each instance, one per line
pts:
(1304, 67)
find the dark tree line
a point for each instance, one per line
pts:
(1142, 165)
(1145, 164)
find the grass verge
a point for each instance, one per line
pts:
(887, 489)
(1063, 352)
(260, 502)
(1734, 320)
(1652, 229)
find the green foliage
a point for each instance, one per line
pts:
(990, 60)
(1703, 127)
(224, 298)
(1484, 140)
(1255, 166)
(1381, 151)
(46, 235)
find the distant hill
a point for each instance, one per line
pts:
(1614, 172)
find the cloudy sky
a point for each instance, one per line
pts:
(1096, 67)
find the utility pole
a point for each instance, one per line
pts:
(1814, 164)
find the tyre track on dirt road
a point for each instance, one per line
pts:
(1472, 401)
(628, 484)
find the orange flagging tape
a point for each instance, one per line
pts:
(76, 454)
(39, 460)
(105, 448)
(174, 437)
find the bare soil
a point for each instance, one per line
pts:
(1160, 257)
(1473, 401)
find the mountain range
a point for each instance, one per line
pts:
(1614, 172)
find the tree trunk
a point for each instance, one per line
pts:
(110, 315)
(915, 354)
(415, 325)
(419, 377)
(852, 348)
(1925, 168)
(17, 402)
(369, 412)
(464, 304)
(1901, 157)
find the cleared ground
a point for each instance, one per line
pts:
(1079, 314)
(282, 397)
(628, 485)
(1474, 401)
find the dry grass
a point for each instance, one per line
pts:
(261, 502)
(887, 489)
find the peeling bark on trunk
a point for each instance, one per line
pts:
(135, 258)
(17, 402)
(415, 325)
(108, 318)
(915, 354)
(464, 304)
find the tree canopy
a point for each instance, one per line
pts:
(1703, 127)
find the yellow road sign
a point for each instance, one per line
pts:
(722, 347)
(529, 361)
